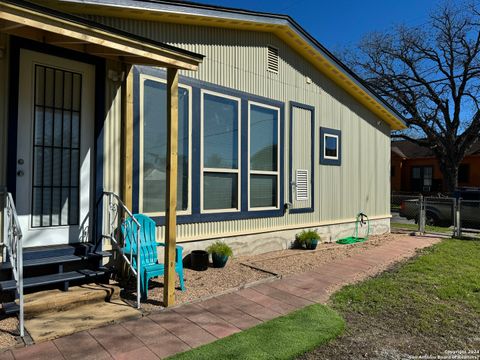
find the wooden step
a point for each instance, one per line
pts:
(79, 249)
(45, 261)
(57, 300)
(101, 254)
(38, 252)
(53, 278)
(55, 324)
(10, 308)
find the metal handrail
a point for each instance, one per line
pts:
(114, 202)
(13, 242)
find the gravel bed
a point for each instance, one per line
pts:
(200, 284)
(297, 261)
(203, 284)
(8, 332)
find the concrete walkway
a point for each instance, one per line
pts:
(168, 332)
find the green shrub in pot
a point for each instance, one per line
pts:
(220, 253)
(307, 239)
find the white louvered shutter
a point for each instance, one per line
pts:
(301, 181)
(272, 59)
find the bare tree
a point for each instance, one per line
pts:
(430, 73)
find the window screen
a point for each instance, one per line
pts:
(220, 152)
(155, 147)
(264, 139)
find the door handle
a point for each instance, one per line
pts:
(20, 173)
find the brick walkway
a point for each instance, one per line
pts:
(168, 332)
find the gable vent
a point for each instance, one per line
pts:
(272, 59)
(301, 184)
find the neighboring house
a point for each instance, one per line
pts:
(415, 168)
(275, 133)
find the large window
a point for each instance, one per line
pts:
(153, 139)
(220, 152)
(230, 151)
(264, 156)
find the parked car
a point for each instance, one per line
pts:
(440, 211)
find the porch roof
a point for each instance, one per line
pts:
(45, 25)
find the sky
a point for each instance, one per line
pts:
(338, 24)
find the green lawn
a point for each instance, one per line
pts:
(429, 305)
(414, 227)
(282, 338)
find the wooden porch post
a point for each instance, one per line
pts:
(171, 198)
(127, 138)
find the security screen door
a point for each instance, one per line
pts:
(54, 149)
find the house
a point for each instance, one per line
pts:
(274, 133)
(416, 169)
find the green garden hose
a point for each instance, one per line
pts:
(361, 219)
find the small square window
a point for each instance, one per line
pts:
(330, 146)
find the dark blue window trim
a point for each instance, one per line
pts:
(196, 216)
(312, 157)
(327, 131)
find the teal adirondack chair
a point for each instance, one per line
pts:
(150, 267)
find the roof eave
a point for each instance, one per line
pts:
(58, 26)
(274, 23)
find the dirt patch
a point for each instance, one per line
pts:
(390, 338)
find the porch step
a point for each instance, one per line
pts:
(10, 308)
(101, 253)
(53, 279)
(55, 324)
(45, 261)
(81, 249)
(39, 252)
(56, 300)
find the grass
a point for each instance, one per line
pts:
(282, 338)
(414, 227)
(426, 306)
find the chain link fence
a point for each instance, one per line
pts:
(469, 218)
(435, 215)
(405, 211)
(438, 215)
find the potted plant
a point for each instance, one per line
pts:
(308, 239)
(220, 253)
